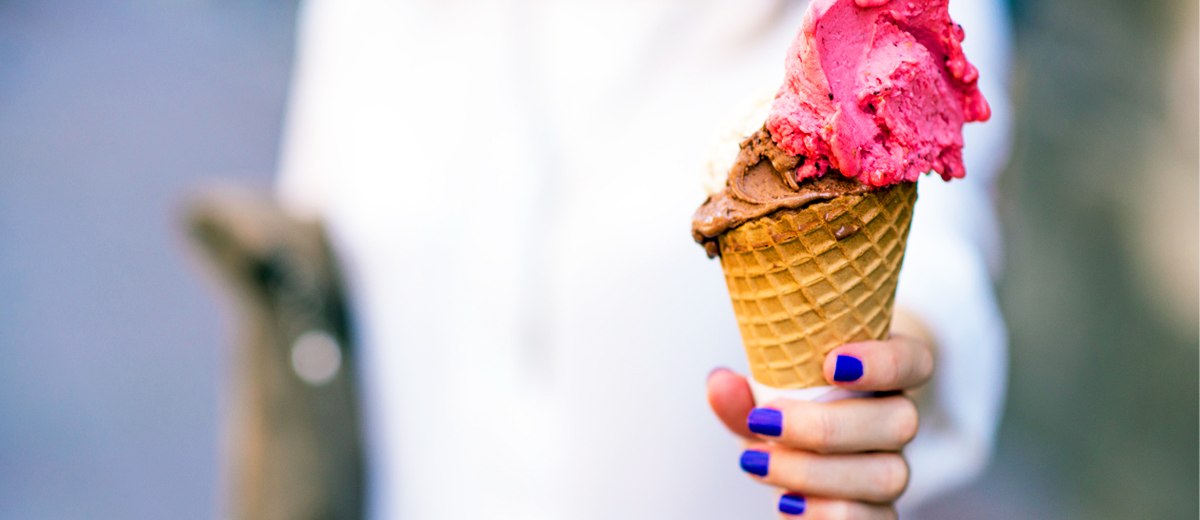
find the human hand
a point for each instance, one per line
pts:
(838, 460)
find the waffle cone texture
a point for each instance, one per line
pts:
(805, 281)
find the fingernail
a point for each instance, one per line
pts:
(848, 368)
(791, 504)
(765, 421)
(756, 462)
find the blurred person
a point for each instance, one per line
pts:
(508, 186)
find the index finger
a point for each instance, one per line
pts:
(899, 363)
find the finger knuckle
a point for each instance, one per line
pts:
(889, 369)
(892, 477)
(905, 421)
(842, 510)
(920, 368)
(802, 474)
(822, 432)
(928, 363)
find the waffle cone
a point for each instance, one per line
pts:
(804, 281)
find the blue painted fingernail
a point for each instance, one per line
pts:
(756, 462)
(765, 421)
(791, 504)
(848, 368)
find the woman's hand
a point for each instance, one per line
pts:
(838, 460)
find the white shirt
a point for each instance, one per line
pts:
(510, 184)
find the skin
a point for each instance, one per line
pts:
(843, 457)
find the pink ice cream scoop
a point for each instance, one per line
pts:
(878, 90)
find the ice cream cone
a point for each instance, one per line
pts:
(807, 280)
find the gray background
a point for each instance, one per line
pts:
(110, 341)
(111, 344)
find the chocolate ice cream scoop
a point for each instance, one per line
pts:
(763, 179)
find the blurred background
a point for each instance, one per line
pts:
(112, 346)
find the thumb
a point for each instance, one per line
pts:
(730, 398)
